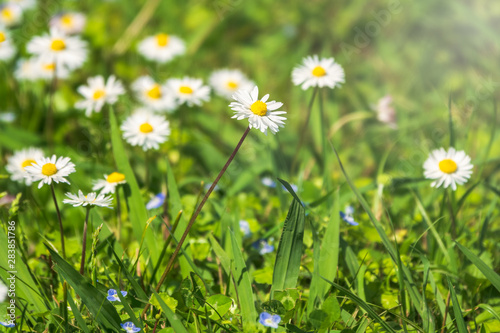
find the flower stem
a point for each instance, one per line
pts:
(323, 143)
(303, 130)
(61, 229)
(84, 245)
(195, 215)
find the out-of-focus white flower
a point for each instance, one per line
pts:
(153, 95)
(24, 4)
(17, 163)
(70, 22)
(161, 47)
(3, 292)
(97, 92)
(10, 14)
(189, 90)
(386, 112)
(226, 82)
(59, 49)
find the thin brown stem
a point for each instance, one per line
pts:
(61, 229)
(84, 246)
(446, 312)
(195, 215)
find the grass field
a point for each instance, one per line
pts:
(326, 224)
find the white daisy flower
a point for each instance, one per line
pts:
(189, 90)
(316, 72)
(145, 129)
(161, 47)
(448, 168)
(70, 22)
(10, 14)
(17, 163)
(226, 82)
(56, 47)
(259, 112)
(155, 96)
(109, 183)
(25, 4)
(44, 70)
(7, 49)
(7, 117)
(97, 92)
(385, 111)
(47, 169)
(91, 199)
(25, 70)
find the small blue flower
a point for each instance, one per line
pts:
(130, 327)
(347, 216)
(268, 181)
(7, 324)
(269, 320)
(245, 228)
(156, 202)
(113, 295)
(263, 246)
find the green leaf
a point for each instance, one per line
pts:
(104, 312)
(459, 319)
(173, 318)
(287, 297)
(219, 306)
(78, 315)
(289, 254)
(264, 275)
(168, 300)
(493, 277)
(135, 204)
(243, 284)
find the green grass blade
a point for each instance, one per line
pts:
(225, 261)
(26, 286)
(243, 284)
(135, 204)
(103, 311)
(289, 254)
(362, 304)
(78, 315)
(410, 284)
(174, 319)
(459, 319)
(490, 274)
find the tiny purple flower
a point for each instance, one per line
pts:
(263, 246)
(245, 228)
(8, 324)
(269, 320)
(113, 295)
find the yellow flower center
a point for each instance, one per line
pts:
(186, 90)
(162, 39)
(27, 163)
(115, 177)
(232, 85)
(318, 71)
(49, 67)
(146, 128)
(259, 108)
(49, 169)
(67, 20)
(2, 37)
(154, 92)
(99, 94)
(7, 14)
(58, 45)
(448, 166)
